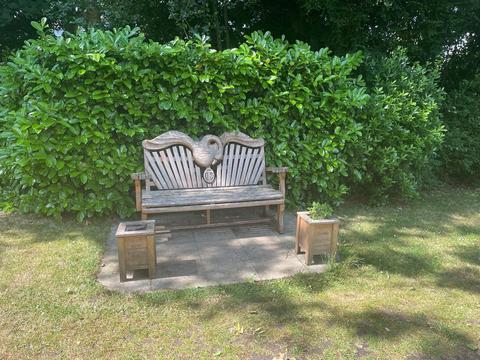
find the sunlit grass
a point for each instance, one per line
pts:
(407, 285)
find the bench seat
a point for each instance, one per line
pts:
(210, 196)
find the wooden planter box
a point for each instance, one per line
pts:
(136, 247)
(316, 237)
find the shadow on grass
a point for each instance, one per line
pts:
(397, 258)
(437, 340)
(275, 306)
(26, 244)
(397, 242)
(25, 230)
(468, 253)
(268, 305)
(462, 278)
(410, 240)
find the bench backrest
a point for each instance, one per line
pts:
(173, 160)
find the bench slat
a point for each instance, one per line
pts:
(186, 167)
(218, 195)
(157, 163)
(240, 166)
(175, 159)
(258, 168)
(154, 171)
(165, 164)
(246, 166)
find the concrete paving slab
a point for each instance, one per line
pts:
(207, 257)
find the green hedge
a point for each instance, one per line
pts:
(461, 149)
(402, 127)
(75, 109)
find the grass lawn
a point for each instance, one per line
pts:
(407, 287)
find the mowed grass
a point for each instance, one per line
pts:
(407, 286)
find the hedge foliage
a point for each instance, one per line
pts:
(75, 109)
(402, 127)
(461, 149)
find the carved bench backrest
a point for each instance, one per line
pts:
(173, 160)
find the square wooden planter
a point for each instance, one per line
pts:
(316, 237)
(136, 247)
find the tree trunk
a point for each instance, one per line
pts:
(226, 26)
(217, 24)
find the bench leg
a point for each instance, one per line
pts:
(209, 218)
(152, 257)
(144, 216)
(121, 259)
(297, 236)
(280, 211)
(308, 256)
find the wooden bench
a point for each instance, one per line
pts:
(224, 172)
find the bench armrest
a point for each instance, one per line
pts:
(138, 177)
(282, 174)
(276, 170)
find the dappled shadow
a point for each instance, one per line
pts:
(266, 296)
(265, 304)
(437, 212)
(165, 269)
(461, 278)
(468, 253)
(195, 218)
(384, 246)
(279, 304)
(29, 229)
(468, 229)
(459, 353)
(206, 257)
(274, 307)
(406, 262)
(438, 341)
(374, 323)
(408, 240)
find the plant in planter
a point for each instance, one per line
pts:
(317, 231)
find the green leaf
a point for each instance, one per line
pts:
(37, 26)
(83, 178)
(95, 56)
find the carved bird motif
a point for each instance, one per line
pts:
(206, 153)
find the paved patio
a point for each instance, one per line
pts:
(206, 257)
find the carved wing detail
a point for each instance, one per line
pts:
(206, 152)
(168, 139)
(241, 138)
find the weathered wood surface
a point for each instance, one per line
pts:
(206, 152)
(174, 161)
(175, 168)
(230, 205)
(182, 174)
(316, 237)
(184, 197)
(277, 170)
(136, 247)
